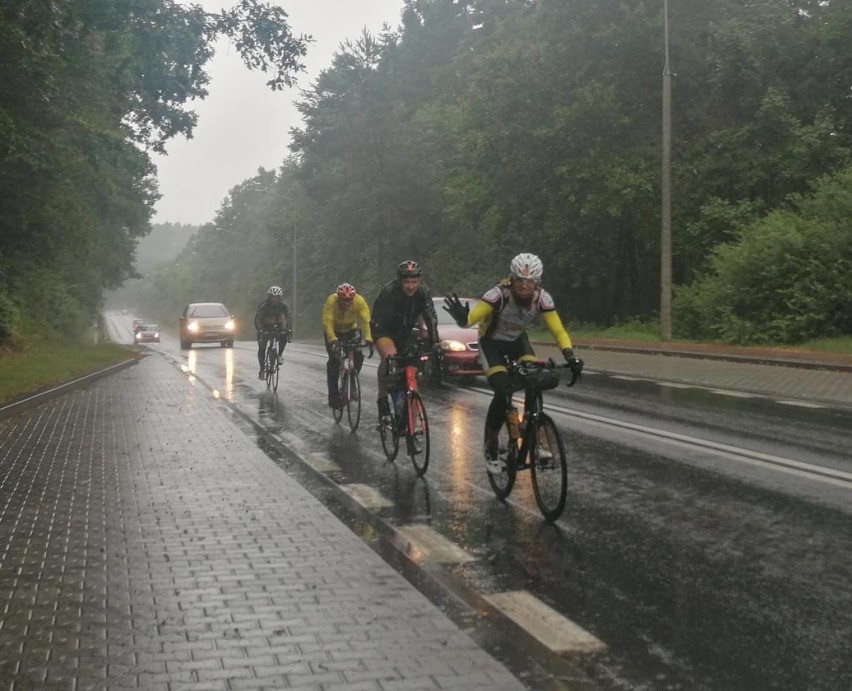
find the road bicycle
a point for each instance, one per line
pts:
(534, 444)
(271, 366)
(407, 413)
(348, 383)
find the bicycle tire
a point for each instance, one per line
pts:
(342, 395)
(353, 400)
(549, 474)
(272, 368)
(503, 482)
(417, 433)
(390, 434)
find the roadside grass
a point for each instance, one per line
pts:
(41, 365)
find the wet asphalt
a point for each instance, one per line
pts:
(151, 539)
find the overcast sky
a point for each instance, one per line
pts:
(242, 124)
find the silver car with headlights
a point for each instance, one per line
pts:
(207, 322)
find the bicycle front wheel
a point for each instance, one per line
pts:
(390, 433)
(417, 434)
(353, 400)
(549, 468)
(272, 369)
(342, 395)
(503, 481)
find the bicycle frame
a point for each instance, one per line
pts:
(538, 448)
(407, 408)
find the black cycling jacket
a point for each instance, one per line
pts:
(272, 314)
(395, 314)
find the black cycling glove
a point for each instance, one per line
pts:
(456, 309)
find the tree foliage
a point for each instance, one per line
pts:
(480, 128)
(87, 89)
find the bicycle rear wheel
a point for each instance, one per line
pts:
(549, 468)
(417, 435)
(390, 432)
(342, 395)
(353, 400)
(503, 482)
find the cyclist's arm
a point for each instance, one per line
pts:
(430, 317)
(481, 310)
(363, 310)
(257, 316)
(328, 318)
(557, 330)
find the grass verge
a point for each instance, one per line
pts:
(43, 365)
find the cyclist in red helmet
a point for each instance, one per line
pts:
(396, 312)
(342, 313)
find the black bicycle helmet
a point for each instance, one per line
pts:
(409, 269)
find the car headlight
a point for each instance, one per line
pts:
(229, 325)
(138, 335)
(454, 346)
(192, 326)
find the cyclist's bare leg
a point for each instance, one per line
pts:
(385, 347)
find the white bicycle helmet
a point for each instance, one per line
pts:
(527, 265)
(275, 291)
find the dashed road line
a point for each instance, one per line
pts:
(555, 631)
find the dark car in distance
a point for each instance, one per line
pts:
(147, 333)
(206, 322)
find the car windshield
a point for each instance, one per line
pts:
(150, 327)
(208, 311)
(444, 318)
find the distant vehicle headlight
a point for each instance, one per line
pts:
(138, 335)
(454, 346)
(192, 326)
(229, 325)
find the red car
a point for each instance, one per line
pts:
(459, 345)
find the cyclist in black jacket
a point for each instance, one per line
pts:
(272, 312)
(396, 313)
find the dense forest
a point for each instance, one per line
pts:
(88, 89)
(476, 129)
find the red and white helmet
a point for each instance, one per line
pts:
(527, 265)
(346, 291)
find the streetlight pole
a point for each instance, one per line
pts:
(293, 311)
(666, 194)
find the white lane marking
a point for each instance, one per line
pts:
(426, 543)
(831, 476)
(366, 496)
(734, 394)
(321, 463)
(675, 385)
(556, 632)
(801, 404)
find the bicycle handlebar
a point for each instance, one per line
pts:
(522, 368)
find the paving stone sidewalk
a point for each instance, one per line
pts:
(146, 542)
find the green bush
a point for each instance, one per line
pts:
(9, 315)
(787, 279)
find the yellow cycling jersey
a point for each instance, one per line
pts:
(337, 319)
(501, 319)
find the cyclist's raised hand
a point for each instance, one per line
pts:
(456, 309)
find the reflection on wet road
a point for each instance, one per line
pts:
(695, 570)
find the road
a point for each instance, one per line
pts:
(706, 543)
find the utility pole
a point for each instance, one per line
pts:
(666, 189)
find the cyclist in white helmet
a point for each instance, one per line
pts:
(270, 313)
(503, 316)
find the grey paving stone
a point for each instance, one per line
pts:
(146, 542)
